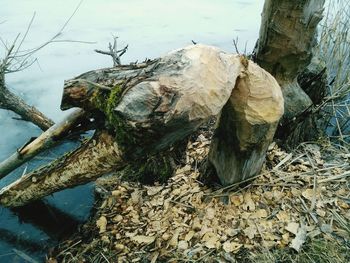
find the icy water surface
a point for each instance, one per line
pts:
(151, 28)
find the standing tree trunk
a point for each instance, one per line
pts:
(287, 37)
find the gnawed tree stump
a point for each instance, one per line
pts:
(287, 37)
(246, 126)
(148, 108)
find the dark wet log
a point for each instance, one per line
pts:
(246, 126)
(45, 141)
(284, 48)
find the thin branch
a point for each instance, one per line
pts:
(114, 52)
(73, 41)
(235, 44)
(26, 54)
(25, 34)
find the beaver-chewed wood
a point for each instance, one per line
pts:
(144, 110)
(287, 36)
(246, 126)
(95, 157)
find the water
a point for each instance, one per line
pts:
(151, 28)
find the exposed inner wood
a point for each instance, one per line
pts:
(246, 126)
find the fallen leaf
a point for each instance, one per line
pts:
(210, 213)
(189, 235)
(236, 200)
(250, 231)
(183, 245)
(196, 225)
(153, 190)
(231, 232)
(212, 242)
(174, 240)
(308, 194)
(119, 247)
(260, 213)
(283, 216)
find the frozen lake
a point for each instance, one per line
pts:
(151, 28)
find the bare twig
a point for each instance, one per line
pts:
(114, 52)
(235, 44)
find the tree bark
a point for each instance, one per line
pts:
(284, 48)
(311, 124)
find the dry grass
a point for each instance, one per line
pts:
(315, 251)
(334, 52)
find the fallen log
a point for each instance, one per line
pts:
(148, 108)
(98, 156)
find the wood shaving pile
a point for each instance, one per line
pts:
(298, 196)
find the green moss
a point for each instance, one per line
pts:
(106, 101)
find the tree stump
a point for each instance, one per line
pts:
(246, 126)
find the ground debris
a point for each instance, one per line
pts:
(289, 203)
